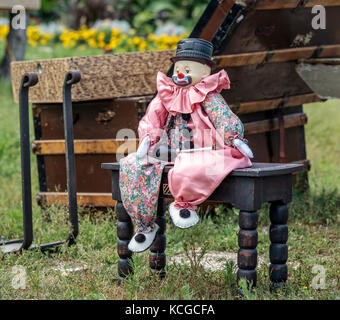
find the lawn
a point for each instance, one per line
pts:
(313, 226)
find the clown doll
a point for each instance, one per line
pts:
(187, 125)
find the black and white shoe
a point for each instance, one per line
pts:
(183, 218)
(143, 241)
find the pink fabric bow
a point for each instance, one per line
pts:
(185, 205)
(183, 100)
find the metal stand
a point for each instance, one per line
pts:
(17, 245)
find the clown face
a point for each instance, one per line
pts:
(187, 73)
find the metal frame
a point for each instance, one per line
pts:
(17, 245)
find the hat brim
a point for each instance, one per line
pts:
(210, 63)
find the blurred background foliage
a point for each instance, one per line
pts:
(110, 26)
(143, 15)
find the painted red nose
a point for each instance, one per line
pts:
(180, 75)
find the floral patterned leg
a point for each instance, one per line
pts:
(139, 186)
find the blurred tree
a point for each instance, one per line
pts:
(51, 10)
(148, 14)
(144, 15)
(73, 12)
(87, 12)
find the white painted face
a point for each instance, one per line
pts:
(187, 73)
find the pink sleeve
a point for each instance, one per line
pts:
(153, 121)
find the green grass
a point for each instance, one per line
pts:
(313, 231)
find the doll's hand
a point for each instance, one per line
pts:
(143, 147)
(243, 148)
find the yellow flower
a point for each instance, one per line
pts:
(136, 41)
(115, 32)
(101, 36)
(32, 43)
(4, 30)
(92, 43)
(118, 40)
(142, 45)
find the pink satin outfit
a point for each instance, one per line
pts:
(195, 175)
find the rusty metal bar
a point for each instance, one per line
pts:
(28, 80)
(71, 78)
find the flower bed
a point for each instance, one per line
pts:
(110, 40)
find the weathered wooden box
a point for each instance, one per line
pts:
(259, 43)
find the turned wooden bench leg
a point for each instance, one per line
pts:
(278, 251)
(125, 233)
(247, 241)
(157, 257)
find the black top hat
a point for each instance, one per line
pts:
(195, 49)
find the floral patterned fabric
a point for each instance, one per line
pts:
(140, 179)
(223, 118)
(139, 187)
(175, 129)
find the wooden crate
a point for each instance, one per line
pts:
(259, 44)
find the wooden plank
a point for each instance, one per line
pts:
(28, 4)
(216, 20)
(98, 146)
(292, 120)
(249, 58)
(270, 81)
(92, 120)
(83, 199)
(270, 104)
(285, 4)
(127, 75)
(102, 199)
(110, 146)
(265, 30)
(50, 80)
(103, 77)
(251, 106)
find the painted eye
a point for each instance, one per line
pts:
(187, 70)
(177, 70)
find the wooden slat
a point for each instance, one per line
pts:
(262, 105)
(286, 4)
(249, 58)
(270, 104)
(28, 4)
(259, 105)
(100, 199)
(110, 146)
(103, 77)
(83, 199)
(99, 146)
(128, 75)
(216, 20)
(292, 120)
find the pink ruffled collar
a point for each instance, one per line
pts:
(183, 100)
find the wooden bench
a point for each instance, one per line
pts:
(247, 189)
